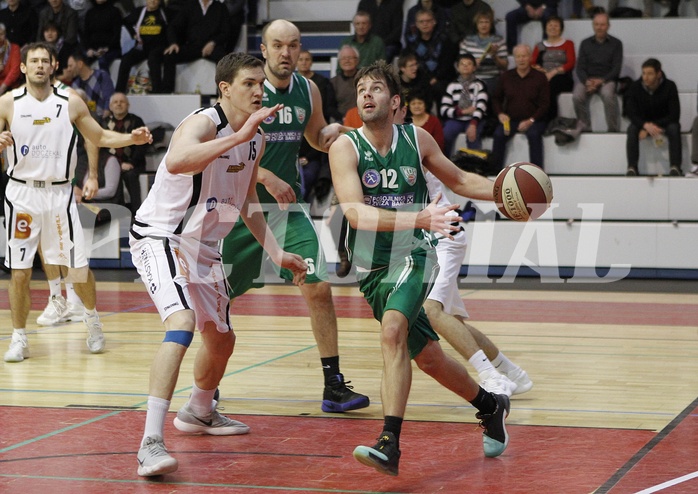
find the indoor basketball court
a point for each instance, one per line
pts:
(612, 410)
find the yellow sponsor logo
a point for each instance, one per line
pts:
(236, 168)
(42, 121)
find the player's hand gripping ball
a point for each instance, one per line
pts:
(522, 191)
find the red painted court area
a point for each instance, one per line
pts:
(69, 450)
(253, 304)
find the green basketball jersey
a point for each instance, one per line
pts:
(284, 132)
(394, 182)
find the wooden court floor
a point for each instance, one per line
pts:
(612, 410)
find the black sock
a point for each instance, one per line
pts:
(330, 367)
(484, 402)
(393, 424)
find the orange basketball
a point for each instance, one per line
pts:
(522, 191)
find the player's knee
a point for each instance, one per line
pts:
(179, 336)
(393, 336)
(432, 308)
(429, 359)
(21, 277)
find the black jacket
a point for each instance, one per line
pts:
(661, 107)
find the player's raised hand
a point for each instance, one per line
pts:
(141, 135)
(439, 219)
(249, 129)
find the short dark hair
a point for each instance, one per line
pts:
(228, 67)
(405, 57)
(467, 55)
(381, 70)
(557, 19)
(39, 45)
(653, 63)
(79, 56)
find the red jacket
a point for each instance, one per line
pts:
(10, 73)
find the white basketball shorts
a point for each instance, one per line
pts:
(450, 254)
(43, 215)
(182, 274)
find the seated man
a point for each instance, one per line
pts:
(653, 108)
(521, 102)
(599, 62)
(97, 84)
(199, 30)
(130, 159)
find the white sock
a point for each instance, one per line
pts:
(201, 401)
(70, 294)
(21, 332)
(54, 287)
(481, 363)
(155, 417)
(503, 364)
(91, 312)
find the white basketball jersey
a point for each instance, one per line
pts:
(44, 138)
(204, 206)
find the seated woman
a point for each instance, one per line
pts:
(488, 48)
(417, 104)
(555, 57)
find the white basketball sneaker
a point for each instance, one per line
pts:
(19, 348)
(95, 338)
(55, 312)
(76, 311)
(521, 379)
(497, 383)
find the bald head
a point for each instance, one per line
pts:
(281, 47)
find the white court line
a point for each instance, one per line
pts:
(669, 483)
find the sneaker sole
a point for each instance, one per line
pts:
(213, 431)
(367, 456)
(12, 360)
(166, 466)
(334, 407)
(50, 322)
(492, 447)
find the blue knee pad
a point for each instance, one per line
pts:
(179, 336)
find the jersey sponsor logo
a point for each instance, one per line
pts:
(236, 168)
(22, 225)
(41, 121)
(410, 174)
(183, 264)
(40, 151)
(300, 113)
(371, 178)
(387, 201)
(26, 116)
(224, 157)
(211, 203)
(368, 156)
(283, 136)
(24, 150)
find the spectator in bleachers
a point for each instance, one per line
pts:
(599, 62)
(673, 9)
(652, 106)
(315, 167)
(148, 26)
(9, 62)
(64, 17)
(411, 77)
(693, 172)
(369, 46)
(529, 10)
(131, 159)
(520, 102)
(343, 83)
(52, 35)
(555, 57)
(422, 117)
(21, 22)
(464, 106)
(488, 49)
(96, 83)
(101, 36)
(462, 20)
(440, 14)
(435, 53)
(237, 13)
(386, 20)
(201, 29)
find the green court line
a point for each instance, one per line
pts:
(111, 414)
(197, 484)
(59, 431)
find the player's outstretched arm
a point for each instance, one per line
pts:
(347, 186)
(461, 182)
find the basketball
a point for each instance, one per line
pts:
(522, 191)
